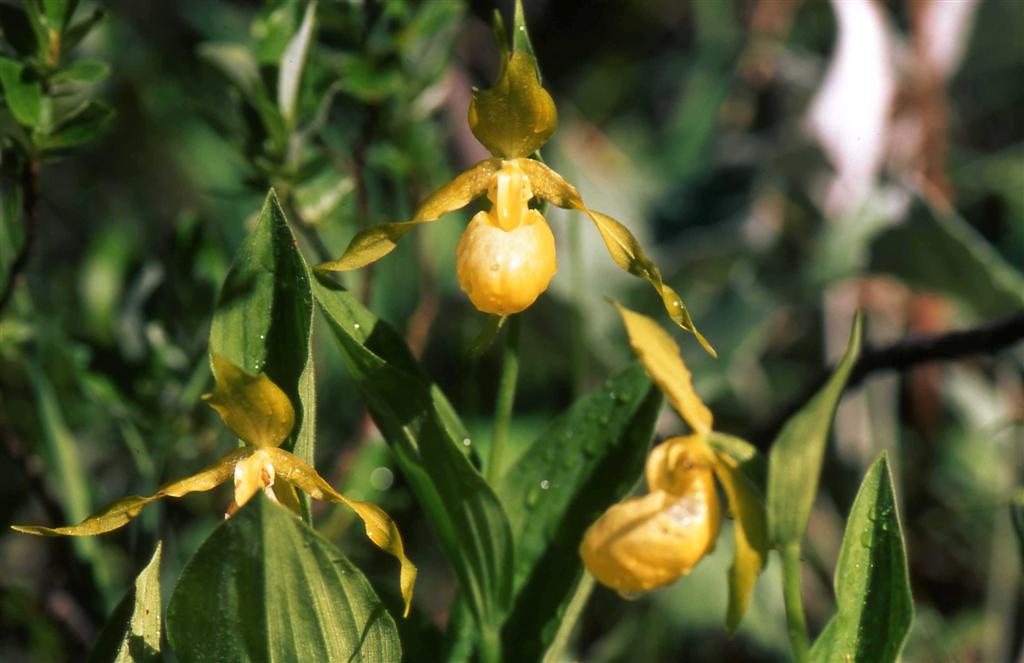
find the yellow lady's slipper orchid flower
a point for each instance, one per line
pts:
(261, 415)
(506, 257)
(647, 542)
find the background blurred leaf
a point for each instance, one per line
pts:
(132, 634)
(429, 443)
(939, 251)
(82, 71)
(23, 92)
(17, 30)
(794, 462)
(293, 61)
(873, 602)
(62, 452)
(264, 318)
(58, 12)
(83, 127)
(585, 461)
(265, 586)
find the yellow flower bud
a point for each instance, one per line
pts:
(648, 542)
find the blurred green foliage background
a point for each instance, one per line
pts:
(687, 121)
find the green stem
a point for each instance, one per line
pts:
(797, 627)
(490, 646)
(556, 650)
(506, 399)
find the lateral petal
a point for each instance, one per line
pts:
(379, 527)
(372, 244)
(660, 355)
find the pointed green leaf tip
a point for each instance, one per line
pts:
(517, 116)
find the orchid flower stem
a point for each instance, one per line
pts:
(797, 627)
(506, 400)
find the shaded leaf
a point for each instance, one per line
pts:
(264, 318)
(794, 462)
(77, 32)
(874, 607)
(427, 439)
(265, 586)
(132, 634)
(585, 461)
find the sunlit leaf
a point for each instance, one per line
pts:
(264, 317)
(660, 356)
(83, 71)
(379, 527)
(376, 242)
(736, 470)
(265, 586)
(794, 463)
(517, 116)
(584, 461)
(429, 443)
(251, 405)
(874, 607)
(132, 634)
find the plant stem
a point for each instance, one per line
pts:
(490, 646)
(797, 627)
(506, 399)
(573, 611)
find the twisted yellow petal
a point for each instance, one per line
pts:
(121, 512)
(374, 243)
(379, 527)
(660, 356)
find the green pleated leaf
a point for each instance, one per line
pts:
(586, 460)
(794, 462)
(264, 318)
(921, 251)
(874, 608)
(132, 634)
(266, 587)
(430, 446)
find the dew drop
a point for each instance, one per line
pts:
(357, 325)
(466, 442)
(544, 484)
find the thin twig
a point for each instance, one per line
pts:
(30, 191)
(985, 339)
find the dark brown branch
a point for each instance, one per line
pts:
(30, 191)
(985, 339)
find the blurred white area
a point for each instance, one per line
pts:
(849, 115)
